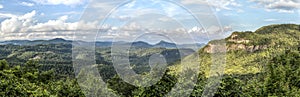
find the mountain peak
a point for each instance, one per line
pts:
(58, 39)
(163, 42)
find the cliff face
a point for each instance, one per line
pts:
(241, 43)
(247, 48)
(235, 42)
(214, 48)
(232, 47)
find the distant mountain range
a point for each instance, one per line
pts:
(161, 44)
(36, 42)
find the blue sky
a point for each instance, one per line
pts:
(136, 20)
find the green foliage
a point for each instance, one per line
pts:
(29, 81)
(283, 75)
(275, 68)
(277, 28)
(3, 64)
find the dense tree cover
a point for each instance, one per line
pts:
(59, 56)
(27, 80)
(250, 72)
(281, 78)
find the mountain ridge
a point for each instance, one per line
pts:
(162, 44)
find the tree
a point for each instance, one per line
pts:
(3, 65)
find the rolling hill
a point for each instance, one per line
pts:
(249, 52)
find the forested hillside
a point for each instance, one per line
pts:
(262, 63)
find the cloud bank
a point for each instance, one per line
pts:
(28, 27)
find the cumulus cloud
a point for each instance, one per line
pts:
(27, 23)
(24, 26)
(286, 6)
(196, 30)
(17, 24)
(58, 2)
(54, 25)
(1, 6)
(27, 4)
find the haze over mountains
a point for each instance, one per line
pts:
(161, 44)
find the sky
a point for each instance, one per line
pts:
(179, 21)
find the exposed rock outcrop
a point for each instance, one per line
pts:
(234, 42)
(251, 48)
(211, 48)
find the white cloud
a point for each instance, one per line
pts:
(240, 11)
(68, 13)
(42, 14)
(1, 6)
(58, 2)
(285, 6)
(213, 30)
(132, 27)
(27, 4)
(122, 17)
(210, 30)
(271, 20)
(27, 23)
(27, 27)
(102, 4)
(165, 19)
(218, 4)
(54, 25)
(196, 30)
(7, 15)
(17, 24)
(193, 1)
(61, 25)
